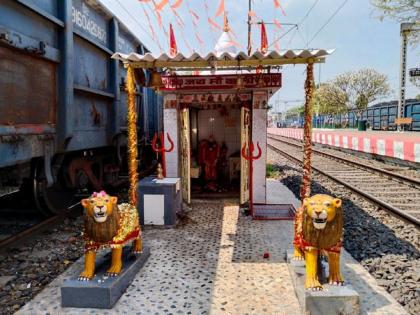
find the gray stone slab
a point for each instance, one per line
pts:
(170, 188)
(278, 193)
(102, 291)
(332, 300)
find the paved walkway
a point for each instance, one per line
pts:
(400, 145)
(212, 264)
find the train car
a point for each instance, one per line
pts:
(380, 116)
(62, 99)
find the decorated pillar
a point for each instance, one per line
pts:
(305, 188)
(132, 143)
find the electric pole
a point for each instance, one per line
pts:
(406, 28)
(249, 28)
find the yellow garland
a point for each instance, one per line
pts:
(305, 189)
(132, 138)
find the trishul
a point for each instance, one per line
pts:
(161, 148)
(251, 159)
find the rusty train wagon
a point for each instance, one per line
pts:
(62, 99)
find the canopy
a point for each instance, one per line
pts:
(225, 60)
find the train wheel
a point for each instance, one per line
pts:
(51, 200)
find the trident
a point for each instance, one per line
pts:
(251, 160)
(161, 148)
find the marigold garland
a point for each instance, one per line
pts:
(305, 188)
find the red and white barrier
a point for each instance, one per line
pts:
(405, 147)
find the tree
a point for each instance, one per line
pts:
(329, 99)
(403, 11)
(362, 87)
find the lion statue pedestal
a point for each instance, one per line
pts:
(319, 232)
(103, 280)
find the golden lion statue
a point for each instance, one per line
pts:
(319, 229)
(108, 225)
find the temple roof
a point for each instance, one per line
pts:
(224, 60)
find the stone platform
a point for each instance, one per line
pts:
(103, 291)
(212, 263)
(331, 300)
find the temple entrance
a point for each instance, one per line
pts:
(215, 142)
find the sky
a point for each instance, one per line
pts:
(356, 33)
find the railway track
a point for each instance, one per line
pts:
(33, 227)
(391, 191)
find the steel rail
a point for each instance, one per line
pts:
(28, 233)
(381, 171)
(400, 213)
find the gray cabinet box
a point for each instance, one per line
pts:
(159, 200)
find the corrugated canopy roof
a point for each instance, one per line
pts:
(226, 59)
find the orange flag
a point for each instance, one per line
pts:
(277, 24)
(177, 4)
(221, 8)
(277, 4)
(264, 41)
(161, 5)
(195, 15)
(214, 24)
(173, 50)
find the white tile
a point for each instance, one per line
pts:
(154, 209)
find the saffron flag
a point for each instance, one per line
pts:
(214, 24)
(177, 4)
(173, 50)
(161, 5)
(221, 8)
(277, 24)
(264, 41)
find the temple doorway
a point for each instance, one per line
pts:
(215, 133)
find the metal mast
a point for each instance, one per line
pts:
(405, 29)
(249, 28)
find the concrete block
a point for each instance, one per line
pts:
(343, 300)
(103, 292)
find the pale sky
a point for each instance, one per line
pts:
(361, 40)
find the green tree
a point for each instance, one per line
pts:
(362, 87)
(402, 11)
(329, 99)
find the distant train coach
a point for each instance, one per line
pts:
(62, 99)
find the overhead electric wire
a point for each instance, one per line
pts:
(308, 12)
(297, 27)
(328, 21)
(135, 20)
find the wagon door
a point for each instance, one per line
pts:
(245, 136)
(185, 154)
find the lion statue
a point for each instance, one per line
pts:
(108, 225)
(319, 231)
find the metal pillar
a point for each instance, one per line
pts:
(249, 29)
(406, 28)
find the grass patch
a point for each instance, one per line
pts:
(272, 171)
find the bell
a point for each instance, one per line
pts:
(156, 81)
(240, 84)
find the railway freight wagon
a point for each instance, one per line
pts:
(62, 99)
(379, 117)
